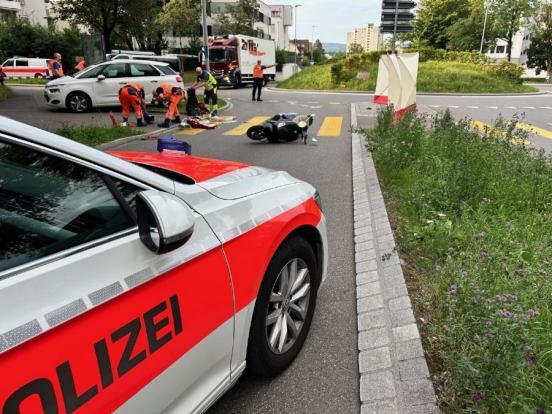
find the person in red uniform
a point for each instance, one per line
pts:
(132, 95)
(173, 95)
(258, 79)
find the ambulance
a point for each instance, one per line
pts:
(22, 67)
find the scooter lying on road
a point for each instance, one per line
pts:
(286, 127)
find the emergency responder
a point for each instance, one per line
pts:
(132, 95)
(80, 65)
(55, 66)
(258, 79)
(208, 81)
(173, 95)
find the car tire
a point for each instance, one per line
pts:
(237, 81)
(39, 76)
(268, 352)
(78, 102)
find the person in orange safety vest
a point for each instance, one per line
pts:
(258, 79)
(132, 95)
(173, 95)
(55, 67)
(81, 65)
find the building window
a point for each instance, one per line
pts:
(500, 49)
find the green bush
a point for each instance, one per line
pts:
(19, 37)
(510, 71)
(473, 216)
(95, 135)
(4, 93)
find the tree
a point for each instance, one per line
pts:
(20, 37)
(183, 17)
(239, 18)
(355, 48)
(539, 52)
(140, 23)
(434, 18)
(100, 15)
(508, 17)
(465, 34)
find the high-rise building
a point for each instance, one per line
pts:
(366, 37)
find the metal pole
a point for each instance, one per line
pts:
(484, 29)
(312, 46)
(395, 26)
(205, 33)
(295, 42)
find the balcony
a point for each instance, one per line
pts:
(10, 5)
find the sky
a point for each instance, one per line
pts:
(332, 18)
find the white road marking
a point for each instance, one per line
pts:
(528, 107)
(291, 102)
(315, 107)
(273, 101)
(453, 106)
(549, 123)
(472, 107)
(545, 107)
(434, 106)
(510, 107)
(334, 103)
(492, 107)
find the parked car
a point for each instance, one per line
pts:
(146, 282)
(99, 85)
(22, 67)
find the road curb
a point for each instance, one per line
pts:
(25, 85)
(148, 135)
(394, 377)
(326, 91)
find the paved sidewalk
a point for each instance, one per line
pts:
(394, 377)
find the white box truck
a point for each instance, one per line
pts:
(232, 58)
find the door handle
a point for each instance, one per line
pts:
(123, 83)
(154, 82)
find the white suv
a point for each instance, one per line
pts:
(99, 85)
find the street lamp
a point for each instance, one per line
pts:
(484, 26)
(312, 46)
(205, 33)
(296, 48)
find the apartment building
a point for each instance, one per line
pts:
(367, 37)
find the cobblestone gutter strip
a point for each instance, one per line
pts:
(394, 377)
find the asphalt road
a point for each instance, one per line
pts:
(324, 378)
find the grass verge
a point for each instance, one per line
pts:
(95, 135)
(4, 93)
(30, 81)
(433, 76)
(473, 221)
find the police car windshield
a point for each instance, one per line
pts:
(217, 55)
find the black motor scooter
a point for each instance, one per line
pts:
(286, 127)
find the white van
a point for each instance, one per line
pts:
(22, 67)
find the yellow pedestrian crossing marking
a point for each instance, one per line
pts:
(242, 129)
(535, 130)
(189, 132)
(331, 127)
(486, 128)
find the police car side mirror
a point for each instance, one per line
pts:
(100, 78)
(165, 222)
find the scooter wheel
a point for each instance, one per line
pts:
(256, 133)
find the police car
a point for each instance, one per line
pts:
(146, 282)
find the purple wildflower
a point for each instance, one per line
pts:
(481, 235)
(438, 268)
(540, 411)
(477, 338)
(488, 322)
(475, 288)
(530, 355)
(532, 313)
(501, 298)
(452, 292)
(488, 302)
(490, 335)
(464, 274)
(542, 272)
(506, 314)
(485, 255)
(478, 398)
(519, 271)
